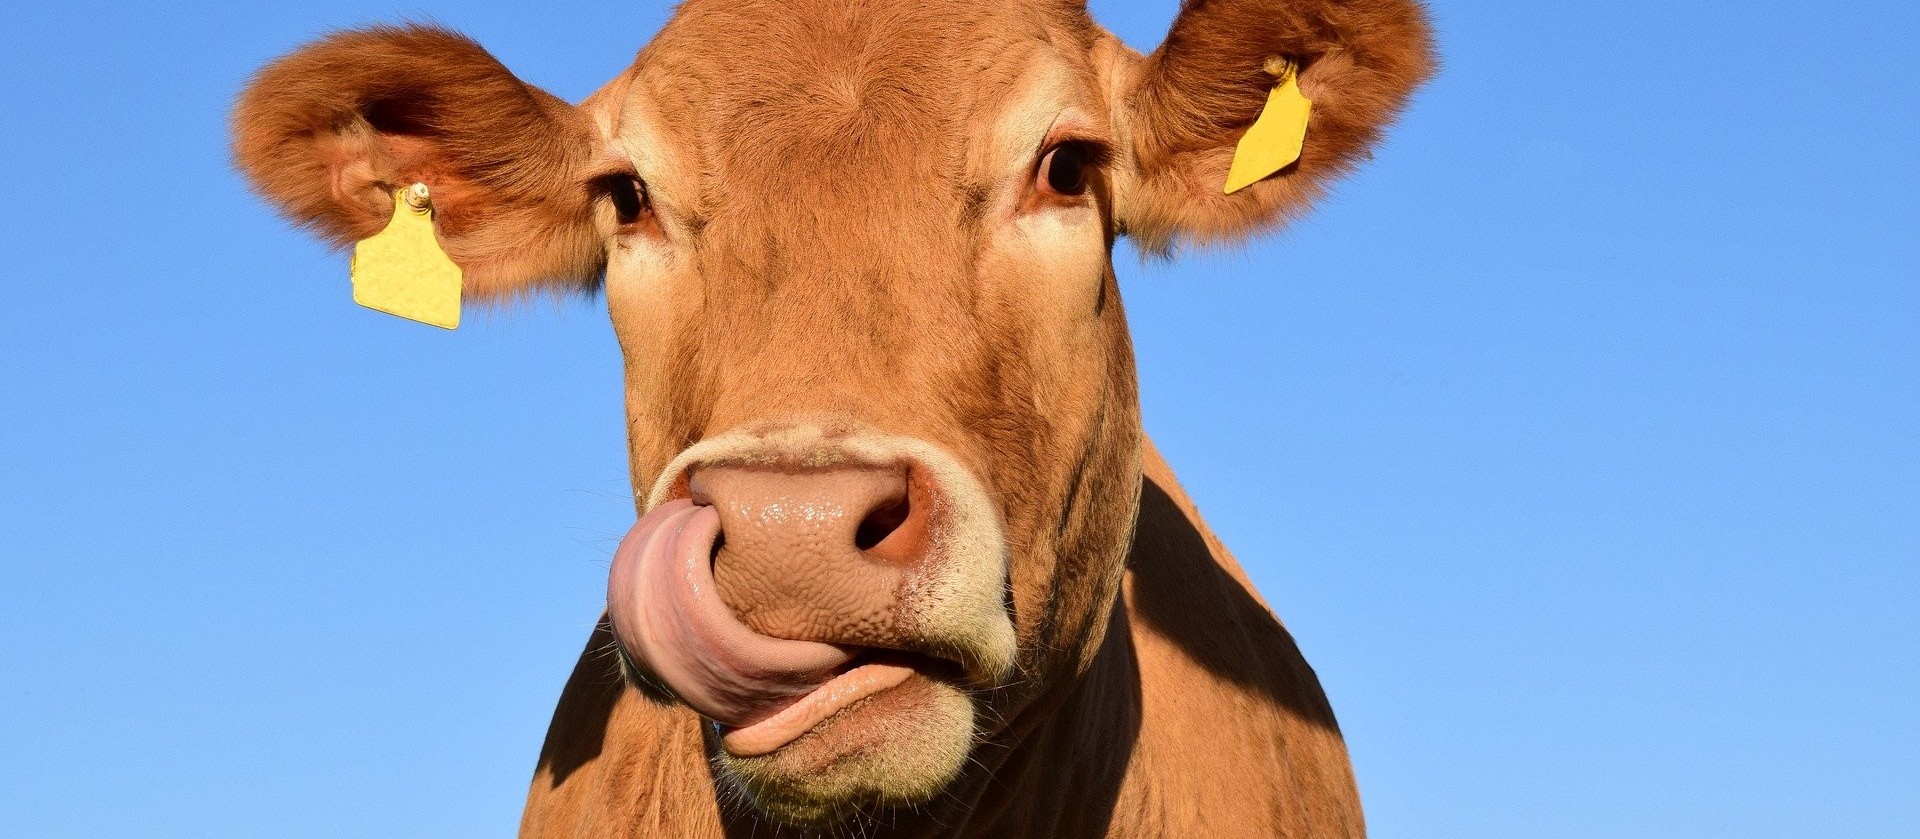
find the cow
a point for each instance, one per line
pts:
(905, 563)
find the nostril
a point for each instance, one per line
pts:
(881, 523)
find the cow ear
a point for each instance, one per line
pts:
(1184, 108)
(329, 132)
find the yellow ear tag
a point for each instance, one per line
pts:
(1274, 140)
(402, 270)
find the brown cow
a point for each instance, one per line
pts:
(906, 564)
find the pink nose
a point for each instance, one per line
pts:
(816, 554)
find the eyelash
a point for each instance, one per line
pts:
(628, 195)
(1067, 168)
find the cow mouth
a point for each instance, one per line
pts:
(872, 674)
(762, 692)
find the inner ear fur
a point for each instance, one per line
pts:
(329, 132)
(1188, 104)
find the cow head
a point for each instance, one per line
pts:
(880, 392)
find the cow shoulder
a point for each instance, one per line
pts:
(1236, 734)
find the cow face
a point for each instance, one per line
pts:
(879, 387)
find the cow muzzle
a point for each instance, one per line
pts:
(780, 581)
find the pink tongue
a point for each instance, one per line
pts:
(668, 614)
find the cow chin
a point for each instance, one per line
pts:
(898, 748)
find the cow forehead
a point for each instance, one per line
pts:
(808, 104)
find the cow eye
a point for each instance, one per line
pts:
(629, 198)
(1064, 169)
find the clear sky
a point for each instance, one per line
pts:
(1577, 438)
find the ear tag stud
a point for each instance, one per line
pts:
(1275, 139)
(402, 270)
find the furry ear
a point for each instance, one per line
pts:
(329, 132)
(1186, 106)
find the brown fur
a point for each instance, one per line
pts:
(1207, 82)
(845, 234)
(329, 132)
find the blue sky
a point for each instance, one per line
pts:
(1575, 438)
